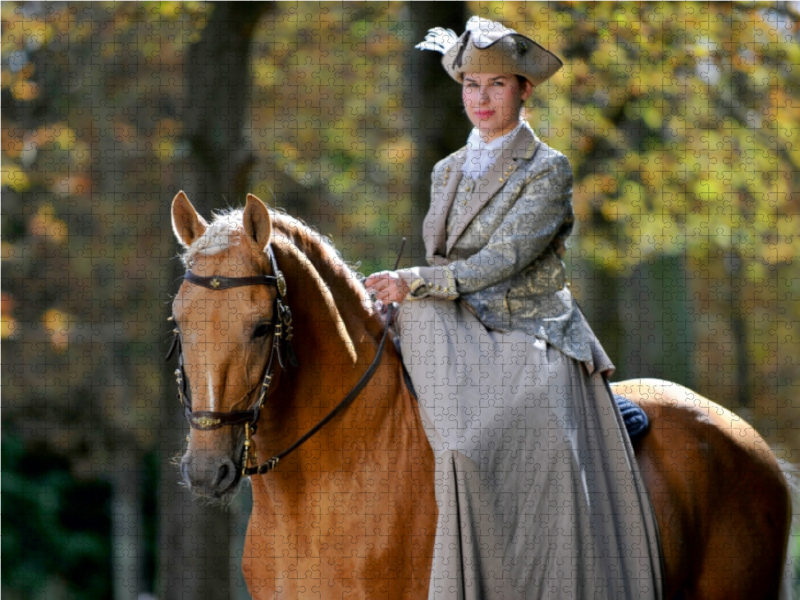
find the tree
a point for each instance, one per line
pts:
(195, 539)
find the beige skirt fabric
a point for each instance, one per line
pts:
(538, 492)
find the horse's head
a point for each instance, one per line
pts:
(225, 319)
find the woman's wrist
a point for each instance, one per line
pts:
(430, 282)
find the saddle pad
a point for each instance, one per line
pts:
(636, 421)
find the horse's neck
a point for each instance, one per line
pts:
(357, 479)
(334, 349)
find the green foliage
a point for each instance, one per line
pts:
(53, 525)
(679, 121)
(340, 67)
(680, 126)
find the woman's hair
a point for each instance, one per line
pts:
(522, 110)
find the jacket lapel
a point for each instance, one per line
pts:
(443, 192)
(521, 149)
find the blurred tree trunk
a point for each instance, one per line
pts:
(127, 526)
(195, 543)
(438, 125)
(216, 107)
(657, 320)
(742, 379)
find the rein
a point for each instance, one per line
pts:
(269, 465)
(282, 330)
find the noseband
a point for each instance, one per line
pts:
(281, 347)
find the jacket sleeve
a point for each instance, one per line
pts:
(543, 207)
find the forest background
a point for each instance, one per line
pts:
(681, 122)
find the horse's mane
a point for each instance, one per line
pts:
(339, 276)
(225, 230)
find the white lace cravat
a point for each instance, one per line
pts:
(481, 155)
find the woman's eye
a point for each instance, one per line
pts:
(261, 330)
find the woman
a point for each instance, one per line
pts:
(537, 489)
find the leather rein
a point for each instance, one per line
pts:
(281, 348)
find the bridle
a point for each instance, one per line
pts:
(282, 349)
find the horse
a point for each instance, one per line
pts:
(346, 504)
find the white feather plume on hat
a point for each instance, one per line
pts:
(438, 39)
(485, 32)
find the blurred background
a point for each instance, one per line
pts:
(681, 122)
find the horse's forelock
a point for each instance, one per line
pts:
(224, 232)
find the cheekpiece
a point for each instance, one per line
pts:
(489, 47)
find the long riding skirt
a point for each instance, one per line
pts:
(538, 491)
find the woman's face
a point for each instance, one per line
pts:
(493, 102)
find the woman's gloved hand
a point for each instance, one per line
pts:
(387, 287)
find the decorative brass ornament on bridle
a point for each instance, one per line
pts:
(281, 347)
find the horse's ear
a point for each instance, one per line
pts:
(186, 223)
(257, 224)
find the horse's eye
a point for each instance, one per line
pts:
(261, 330)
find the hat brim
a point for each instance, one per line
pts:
(512, 54)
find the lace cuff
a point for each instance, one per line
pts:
(430, 282)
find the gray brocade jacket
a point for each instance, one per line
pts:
(501, 251)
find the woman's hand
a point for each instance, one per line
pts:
(387, 286)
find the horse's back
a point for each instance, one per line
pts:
(721, 500)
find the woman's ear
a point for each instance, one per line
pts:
(527, 90)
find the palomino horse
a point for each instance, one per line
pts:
(352, 510)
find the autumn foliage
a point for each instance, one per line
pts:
(679, 119)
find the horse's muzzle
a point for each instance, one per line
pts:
(210, 475)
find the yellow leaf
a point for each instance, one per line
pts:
(45, 224)
(15, 178)
(56, 323)
(9, 328)
(24, 90)
(66, 138)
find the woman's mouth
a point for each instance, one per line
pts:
(484, 114)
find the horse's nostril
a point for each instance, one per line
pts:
(226, 475)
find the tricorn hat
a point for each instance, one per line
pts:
(488, 47)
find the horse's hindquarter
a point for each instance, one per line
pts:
(721, 501)
(365, 529)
